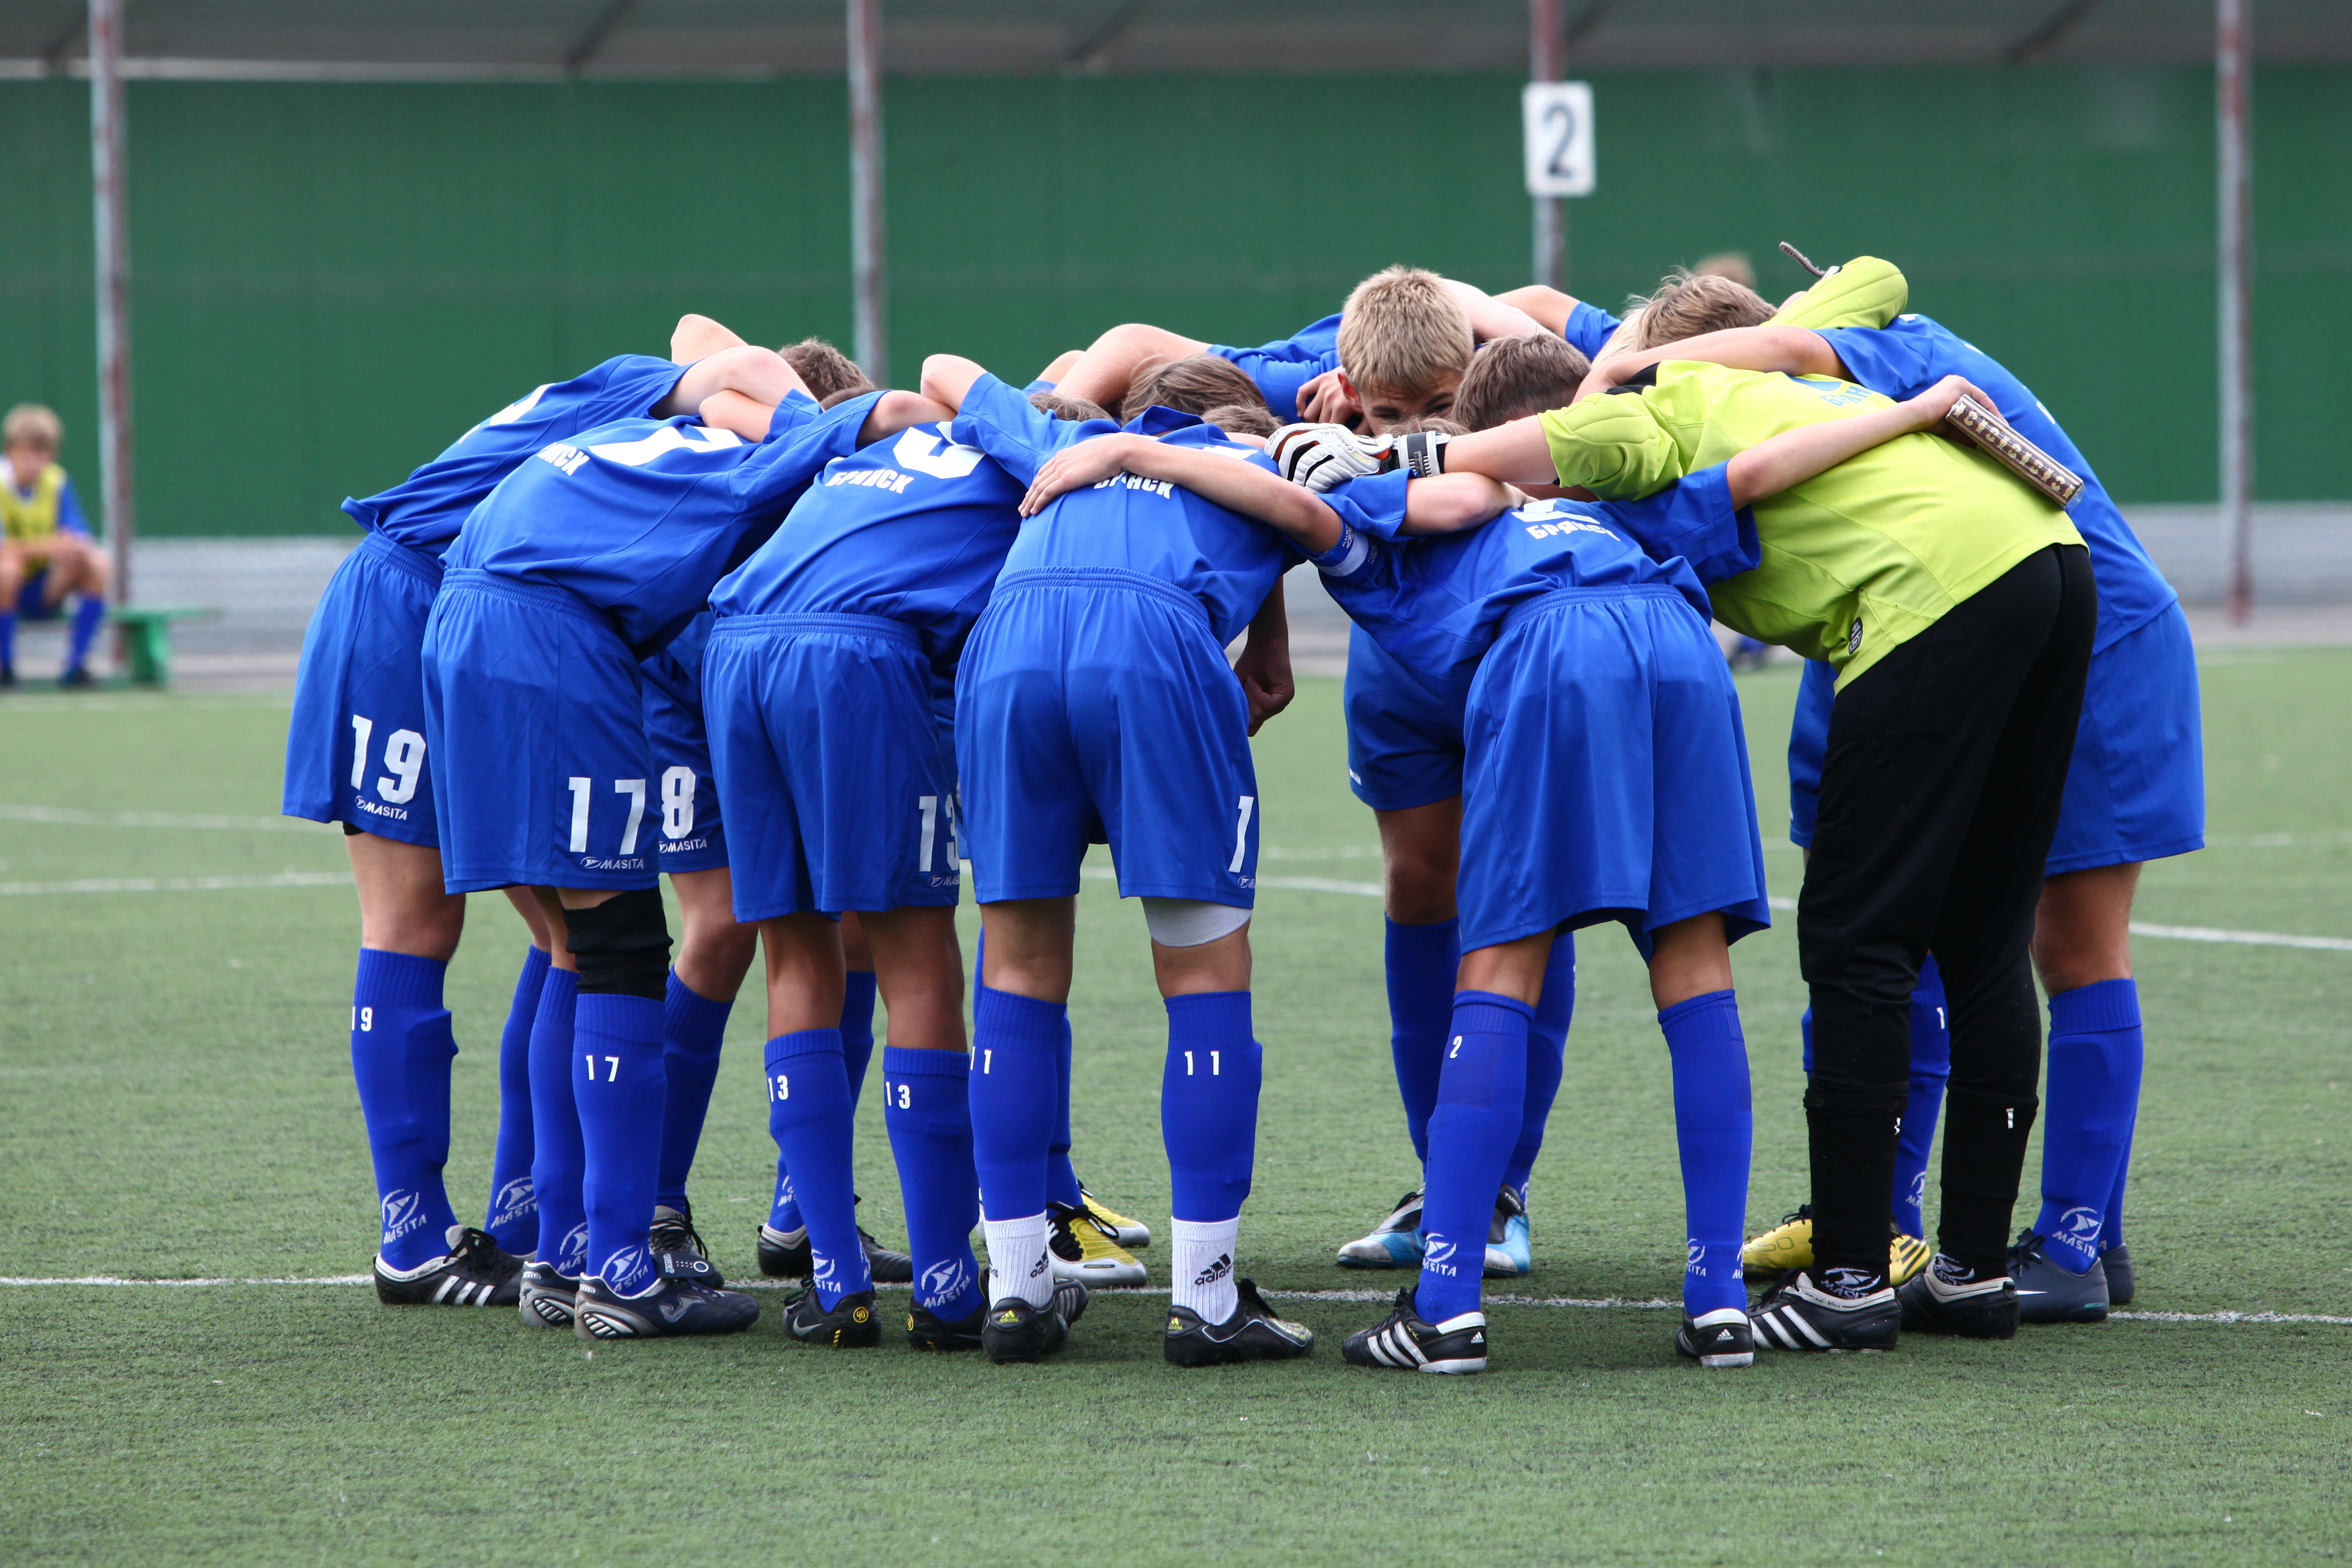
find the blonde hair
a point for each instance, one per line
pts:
(33, 422)
(1242, 419)
(1403, 331)
(1688, 303)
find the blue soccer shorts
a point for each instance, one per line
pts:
(1096, 707)
(1607, 774)
(2136, 788)
(1404, 741)
(692, 837)
(355, 750)
(536, 717)
(825, 742)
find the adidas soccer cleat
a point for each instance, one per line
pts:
(927, 1330)
(2116, 1261)
(547, 1298)
(2047, 1293)
(1084, 1249)
(1789, 1247)
(1507, 1238)
(678, 1247)
(1128, 1233)
(1406, 1341)
(1799, 1315)
(671, 1309)
(1394, 1243)
(851, 1325)
(1947, 1299)
(475, 1272)
(1253, 1333)
(1014, 1330)
(784, 1254)
(1723, 1338)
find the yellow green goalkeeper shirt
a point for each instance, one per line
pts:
(1854, 561)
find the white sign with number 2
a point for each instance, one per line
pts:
(1558, 119)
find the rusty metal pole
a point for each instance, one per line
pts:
(867, 245)
(113, 278)
(1550, 217)
(2231, 93)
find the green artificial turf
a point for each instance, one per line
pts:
(175, 1101)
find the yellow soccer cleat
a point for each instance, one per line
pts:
(1084, 1249)
(1127, 1232)
(1789, 1245)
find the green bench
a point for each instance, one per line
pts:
(147, 637)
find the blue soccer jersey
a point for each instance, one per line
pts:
(911, 529)
(640, 518)
(1438, 603)
(1589, 328)
(1227, 560)
(1914, 353)
(424, 511)
(1280, 368)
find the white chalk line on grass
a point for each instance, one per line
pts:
(75, 816)
(178, 884)
(1588, 1303)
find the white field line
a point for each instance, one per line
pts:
(1588, 1303)
(74, 816)
(178, 884)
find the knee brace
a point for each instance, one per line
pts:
(1191, 922)
(621, 946)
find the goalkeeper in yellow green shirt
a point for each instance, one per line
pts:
(46, 548)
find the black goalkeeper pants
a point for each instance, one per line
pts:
(1940, 790)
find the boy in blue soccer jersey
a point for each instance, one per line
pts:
(1605, 778)
(46, 548)
(2135, 793)
(357, 756)
(587, 558)
(832, 644)
(1094, 703)
(1396, 351)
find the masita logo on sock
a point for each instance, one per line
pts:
(404, 1211)
(571, 1258)
(622, 1268)
(2080, 1225)
(945, 1281)
(1215, 1271)
(1437, 1255)
(516, 1200)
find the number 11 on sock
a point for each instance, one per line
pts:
(1216, 1064)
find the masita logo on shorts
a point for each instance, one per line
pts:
(945, 879)
(404, 1211)
(684, 846)
(397, 813)
(617, 863)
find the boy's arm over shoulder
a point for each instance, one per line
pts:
(1696, 518)
(1890, 361)
(1002, 422)
(1616, 446)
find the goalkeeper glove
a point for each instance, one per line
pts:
(1322, 456)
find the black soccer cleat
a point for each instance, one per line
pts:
(853, 1325)
(1946, 1298)
(1797, 1315)
(784, 1254)
(7, 673)
(671, 1309)
(475, 1272)
(1408, 1343)
(547, 1298)
(2116, 1261)
(2047, 1293)
(927, 1330)
(1014, 1330)
(679, 1249)
(77, 679)
(1723, 1338)
(1253, 1333)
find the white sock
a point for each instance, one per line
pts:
(1017, 1265)
(1202, 1268)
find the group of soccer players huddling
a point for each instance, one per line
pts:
(810, 647)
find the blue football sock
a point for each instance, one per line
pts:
(1805, 1028)
(1422, 962)
(2096, 1049)
(812, 1118)
(1714, 1130)
(1016, 1047)
(9, 636)
(1546, 1048)
(513, 1216)
(693, 1028)
(2111, 1234)
(619, 1084)
(1060, 1176)
(857, 996)
(1208, 1104)
(1481, 1101)
(926, 1106)
(1931, 1065)
(401, 1050)
(555, 1151)
(87, 612)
